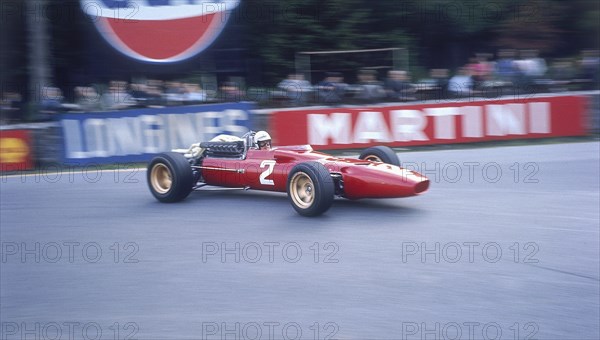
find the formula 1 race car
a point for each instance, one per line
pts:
(311, 179)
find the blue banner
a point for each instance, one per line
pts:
(137, 135)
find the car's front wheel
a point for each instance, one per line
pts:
(310, 188)
(170, 177)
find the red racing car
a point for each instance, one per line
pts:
(311, 179)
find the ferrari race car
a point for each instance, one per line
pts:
(311, 179)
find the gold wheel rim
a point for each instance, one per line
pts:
(161, 179)
(302, 190)
(373, 158)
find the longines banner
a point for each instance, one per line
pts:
(438, 123)
(136, 135)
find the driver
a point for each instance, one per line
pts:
(263, 140)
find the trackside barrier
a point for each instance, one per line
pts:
(433, 123)
(594, 113)
(136, 135)
(132, 136)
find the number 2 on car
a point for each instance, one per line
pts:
(269, 165)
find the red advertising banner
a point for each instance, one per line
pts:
(15, 150)
(435, 123)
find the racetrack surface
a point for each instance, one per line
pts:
(481, 255)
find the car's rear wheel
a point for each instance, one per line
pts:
(381, 154)
(310, 188)
(170, 177)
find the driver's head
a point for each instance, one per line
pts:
(263, 140)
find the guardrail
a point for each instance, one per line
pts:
(425, 123)
(120, 136)
(135, 135)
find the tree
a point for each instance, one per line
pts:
(535, 25)
(39, 70)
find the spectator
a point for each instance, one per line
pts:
(531, 70)
(480, 69)
(174, 93)
(231, 92)
(297, 89)
(87, 99)
(506, 69)
(155, 92)
(332, 89)
(116, 97)
(535, 67)
(590, 69)
(398, 87)
(52, 100)
(434, 87)
(10, 107)
(440, 76)
(461, 84)
(193, 93)
(139, 93)
(369, 89)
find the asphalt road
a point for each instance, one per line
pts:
(505, 245)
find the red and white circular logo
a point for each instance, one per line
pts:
(162, 31)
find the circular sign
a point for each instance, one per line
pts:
(161, 31)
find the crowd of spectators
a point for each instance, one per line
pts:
(512, 72)
(483, 76)
(152, 93)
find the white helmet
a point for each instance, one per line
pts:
(262, 139)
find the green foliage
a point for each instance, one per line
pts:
(432, 29)
(437, 33)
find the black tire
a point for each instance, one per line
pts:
(170, 177)
(310, 188)
(380, 154)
